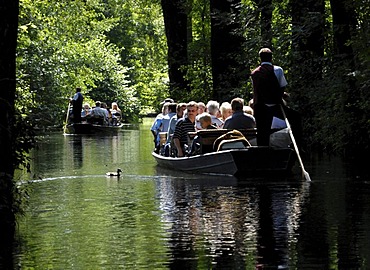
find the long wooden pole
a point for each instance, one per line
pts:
(65, 126)
(304, 172)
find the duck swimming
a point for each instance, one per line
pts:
(117, 174)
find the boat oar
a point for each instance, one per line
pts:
(304, 173)
(65, 126)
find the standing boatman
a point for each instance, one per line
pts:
(76, 101)
(268, 88)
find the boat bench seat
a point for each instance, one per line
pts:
(233, 144)
(96, 120)
(207, 137)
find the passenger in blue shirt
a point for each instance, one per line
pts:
(239, 119)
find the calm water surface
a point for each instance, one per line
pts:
(77, 218)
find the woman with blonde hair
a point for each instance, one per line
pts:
(116, 113)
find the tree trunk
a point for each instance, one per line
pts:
(229, 70)
(308, 38)
(8, 42)
(307, 51)
(175, 21)
(344, 22)
(266, 8)
(344, 19)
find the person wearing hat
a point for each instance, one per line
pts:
(167, 100)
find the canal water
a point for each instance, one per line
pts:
(151, 218)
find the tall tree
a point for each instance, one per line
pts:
(266, 8)
(199, 51)
(175, 21)
(344, 24)
(8, 43)
(344, 20)
(308, 37)
(229, 70)
(140, 34)
(308, 41)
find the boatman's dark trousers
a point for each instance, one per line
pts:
(77, 114)
(264, 115)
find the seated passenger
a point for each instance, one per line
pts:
(86, 110)
(115, 109)
(180, 108)
(248, 109)
(201, 109)
(183, 126)
(116, 113)
(213, 108)
(239, 120)
(165, 125)
(226, 111)
(169, 147)
(105, 107)
(157, 124)
(205, 120)
(99, 113)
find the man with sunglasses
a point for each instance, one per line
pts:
(183, 126)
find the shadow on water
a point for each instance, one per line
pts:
(150, 217)
(77, 152)
(231, 223)
(7, 230)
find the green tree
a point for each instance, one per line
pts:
(140, 35)
(229, 69)
(62, 45)
(175, 15)
(14, 135)
(199, 69)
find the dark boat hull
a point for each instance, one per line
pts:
(87, 128)
(239, 162)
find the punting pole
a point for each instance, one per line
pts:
(65, 126)
(304, 173)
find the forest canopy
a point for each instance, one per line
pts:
(137, 52)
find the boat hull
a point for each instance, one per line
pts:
(87, 128)
(238, 162)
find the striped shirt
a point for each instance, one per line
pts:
(183, 126)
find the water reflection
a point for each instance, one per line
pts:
(77, 152)
(153, 218)
(230, 226)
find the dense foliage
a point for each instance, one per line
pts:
(91, 44)
(323, 48)
(135, 51)
(117, 51)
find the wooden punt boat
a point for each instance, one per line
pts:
(233, 160)
(89, 125)
(90, 128)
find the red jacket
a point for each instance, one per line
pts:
(266, 88)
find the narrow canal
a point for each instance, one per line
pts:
(150, 218)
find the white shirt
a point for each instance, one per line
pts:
(279, 73)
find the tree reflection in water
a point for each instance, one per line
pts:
(236, 226)
(160, 219)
